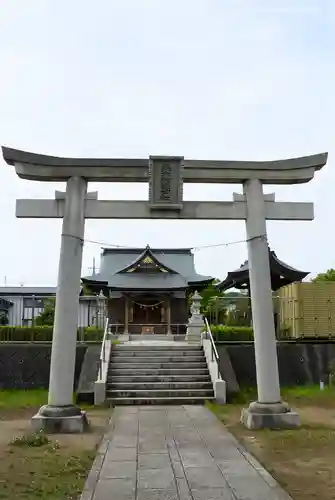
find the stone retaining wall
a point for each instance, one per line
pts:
(27, 366)
(298, 363)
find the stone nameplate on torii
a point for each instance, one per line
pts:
(166, 182)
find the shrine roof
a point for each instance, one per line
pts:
(281, 274)
(171, 269)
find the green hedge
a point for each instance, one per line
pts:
(44, 334)
(92, 333)
(222, 333)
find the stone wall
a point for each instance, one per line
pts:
(27, 366)
(298, 363)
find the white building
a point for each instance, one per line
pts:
(21, 305)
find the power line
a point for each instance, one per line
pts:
(229, 243)
(102, 243)
(195, 248)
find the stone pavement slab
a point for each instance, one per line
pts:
(175, 453)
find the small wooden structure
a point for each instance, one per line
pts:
(281, 275)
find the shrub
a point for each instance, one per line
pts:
(224, 333)
(25, 333)
(47, 316)
(43, 334)
(93, 333)
(33, 440)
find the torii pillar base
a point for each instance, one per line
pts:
(60, 420)
(269, 416)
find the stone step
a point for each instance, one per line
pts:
(125, 386)
(183, 400)
(150, 365)
(184, 360)
(116, 377)
(158, 374)
(156, 337)
(127, 353)
(159, 393)
(144, 370)
(115, 358)
(162, 347)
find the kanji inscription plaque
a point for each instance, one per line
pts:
(166, 182)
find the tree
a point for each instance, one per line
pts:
(222, 307)
(47, 317)
(329, 275)
(86, 290)
(209, 295)
(3, 318)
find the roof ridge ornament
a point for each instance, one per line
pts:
(146, 257)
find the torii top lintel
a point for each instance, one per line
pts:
(51, 168)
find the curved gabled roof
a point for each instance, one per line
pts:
(147, 253)
(281, 274)
(120, 266)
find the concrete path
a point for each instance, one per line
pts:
(175, 453)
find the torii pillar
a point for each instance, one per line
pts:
(268, 410)
(60, 414)
(165, 176)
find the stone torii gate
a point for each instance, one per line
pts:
(166, 176)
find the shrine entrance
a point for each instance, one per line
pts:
(147, 311)
(165, 176)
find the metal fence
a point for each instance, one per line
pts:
(229, 311)
(176, 329)
(294, 317)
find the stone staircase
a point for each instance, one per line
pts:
(154, 374)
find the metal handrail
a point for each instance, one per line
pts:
(214, 352)
(103, 348)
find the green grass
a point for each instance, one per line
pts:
(302, 394)
(34, 466)
(307, 390)
(17, 399)
(301, 459)
(310, 395)
(44, 472)
(20, 399)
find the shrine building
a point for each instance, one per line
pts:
(147, 289)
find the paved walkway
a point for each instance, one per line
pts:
(175, 453)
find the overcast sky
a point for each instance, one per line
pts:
(210, 79)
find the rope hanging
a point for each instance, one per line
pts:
(148, 306)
